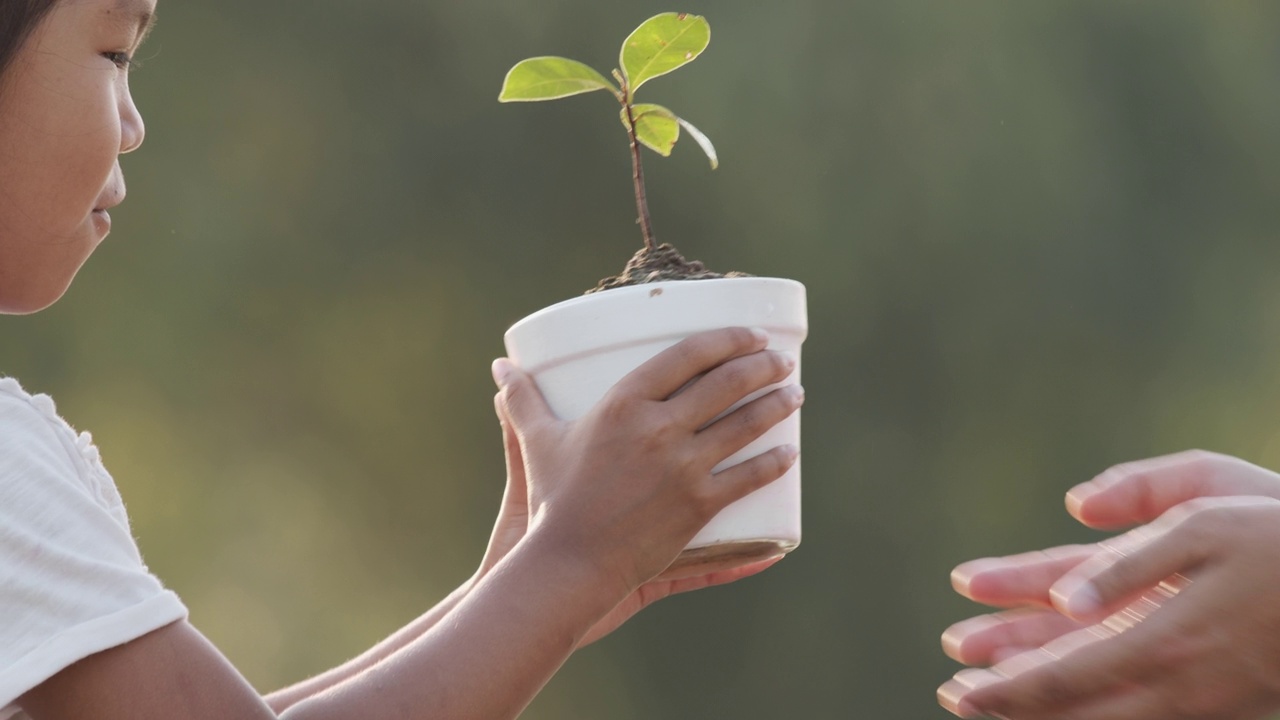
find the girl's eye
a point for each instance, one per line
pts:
(122, 60)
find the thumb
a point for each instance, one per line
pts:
(1147, 563)
(519, 400)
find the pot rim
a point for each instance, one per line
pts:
(613, 294)
(660, 310)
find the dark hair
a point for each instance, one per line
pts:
(17, 19)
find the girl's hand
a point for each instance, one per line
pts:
(513, 515)
(513, 523)
(625, 487)
(1175, 619)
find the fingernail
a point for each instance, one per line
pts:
(789, 360)
(1078, 494)
(790, 452)
(501, 371)
(963, 574)
(761, 335)
(952, 641)
(795, 393)
(1083, 601)
(948, 696)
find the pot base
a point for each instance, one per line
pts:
(723, 556)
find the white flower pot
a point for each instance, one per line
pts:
(578, 349)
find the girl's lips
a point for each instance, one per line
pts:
(102, 220)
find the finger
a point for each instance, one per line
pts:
(1042, 685)
(668, 371)
(1013, 663)
(522, 403)
(1031, 660)
(656, 590)
(722, 577)
(1128, 703)
(1139, 492)
(711, 395)
(739, 428)
(1145, 702)
(750, 475)
(1016, 580)
(952, 694)
(511, 450)
(988, 639)
(1178, 544)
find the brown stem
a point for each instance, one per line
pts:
(637, 175)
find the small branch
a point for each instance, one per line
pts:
(637, 174)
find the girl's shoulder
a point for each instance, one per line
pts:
(31, 425)
(18, 405)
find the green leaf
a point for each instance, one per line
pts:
(661, 44)
(657, 128)
(549, 78)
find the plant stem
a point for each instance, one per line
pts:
(637, 174)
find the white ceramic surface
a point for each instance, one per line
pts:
(576, 350)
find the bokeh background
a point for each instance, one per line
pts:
(1039, 238)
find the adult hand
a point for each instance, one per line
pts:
(1100, 633)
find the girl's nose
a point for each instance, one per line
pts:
(132, 129)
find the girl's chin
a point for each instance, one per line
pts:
(32, 301)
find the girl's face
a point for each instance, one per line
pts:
(66, 116)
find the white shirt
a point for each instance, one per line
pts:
(72, 582)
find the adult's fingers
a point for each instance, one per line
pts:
(1146, 702)
(952, 694)
(670, 370)
(1176, 545)
(1016, 580)
(989, 639)
(1139, 492)
(1078, 668)
(1142, 702)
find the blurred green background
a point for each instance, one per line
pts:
(1039, 238)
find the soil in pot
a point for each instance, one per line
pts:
(661, 263)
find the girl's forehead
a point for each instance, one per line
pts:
(128, 15)
(133, 13)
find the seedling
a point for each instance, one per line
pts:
(661, 44)
(576, 349)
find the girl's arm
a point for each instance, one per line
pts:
(511, 525)
(500, 645)
(285, 698)
(611, 499)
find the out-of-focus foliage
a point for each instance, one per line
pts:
(1038, 237)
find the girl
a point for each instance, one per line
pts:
(594, 509)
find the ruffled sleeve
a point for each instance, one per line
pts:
(72, 582)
